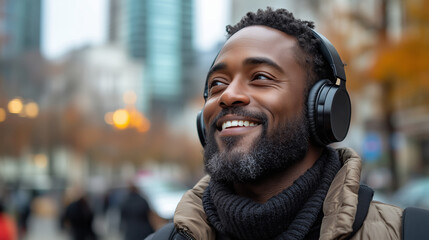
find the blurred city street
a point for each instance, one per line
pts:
(44, 228)
(99, 95)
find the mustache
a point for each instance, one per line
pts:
(239, 111)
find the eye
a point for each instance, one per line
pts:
(215, 83)
(260, 76)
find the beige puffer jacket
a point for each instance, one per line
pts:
(382, 222)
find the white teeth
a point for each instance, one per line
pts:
(235, 123)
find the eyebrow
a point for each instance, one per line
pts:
(262, 61)
(216, 67)
(247, 61)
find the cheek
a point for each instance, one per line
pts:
(209, 112)
(283, 107)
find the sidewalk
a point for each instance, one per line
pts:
(43, 228)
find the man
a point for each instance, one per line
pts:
(79, 217)
(271, 173)
(135, 213)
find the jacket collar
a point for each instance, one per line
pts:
(190, 216)
(339, 206)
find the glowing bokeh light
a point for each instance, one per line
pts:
(138, 120)
(128, 118)
(2, 115)
(15, 105)
(108, 118)
(40, 160)
(144, 126)
(121, 118)
(31, 109)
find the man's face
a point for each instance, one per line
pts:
(255, 107)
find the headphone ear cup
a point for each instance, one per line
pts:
(329, 112)
(336, 115)
(201, 128)
(313, 96)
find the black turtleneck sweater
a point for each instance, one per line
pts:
(295, 213)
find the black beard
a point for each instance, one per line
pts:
(269, 153)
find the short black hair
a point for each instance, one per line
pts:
(283, 20)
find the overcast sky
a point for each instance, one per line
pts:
(69, 24)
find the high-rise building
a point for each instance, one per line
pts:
(21, 63)
(21, 26)
(114, 24)
(159, 32)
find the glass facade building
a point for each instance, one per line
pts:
(160, 33)
(20, 27)
(20, 43)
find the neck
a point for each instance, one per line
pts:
(268, 187)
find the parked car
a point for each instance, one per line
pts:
(163, 195)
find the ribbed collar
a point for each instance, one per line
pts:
(288, 215)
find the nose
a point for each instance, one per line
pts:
(234, 95)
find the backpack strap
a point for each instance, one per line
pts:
(415, 223)
(365, 195)
(166, 232)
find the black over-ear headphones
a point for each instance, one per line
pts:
(329, 107)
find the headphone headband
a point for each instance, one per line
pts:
(331, 55)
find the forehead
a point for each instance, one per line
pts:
(262, 41)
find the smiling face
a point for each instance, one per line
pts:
(256, 97)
